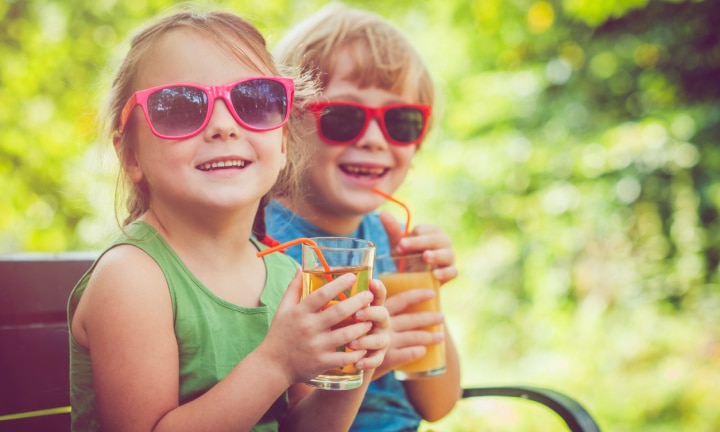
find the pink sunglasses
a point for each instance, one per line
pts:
(180, 111)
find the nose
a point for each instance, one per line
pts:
(373, 137)
(222, 124)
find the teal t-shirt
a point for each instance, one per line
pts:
(386, 407)
(213, 335)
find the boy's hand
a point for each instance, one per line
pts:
(408, 337)
(427, 239)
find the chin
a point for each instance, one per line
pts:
(362, 206)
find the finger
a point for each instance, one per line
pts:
(393, 228)
(396, 357)
(343, 312)
(293, 293)
(416, 321)
(415, 338)
(424, 237)
(319, 298)
(346, 334)
(340, 359)
(372, 360)
(399, 302)
(379, 292)
(409, 245)
(440, 257)
(445, 274)
(376, 315)
(370, 342)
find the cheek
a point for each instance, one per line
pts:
(272, 145)
(404, 156)
(319, 164)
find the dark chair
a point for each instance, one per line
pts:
(34, 359)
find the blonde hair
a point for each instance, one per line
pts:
(226, 30)
(382, 55)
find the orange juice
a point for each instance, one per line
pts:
(433, 362)
(313, 280)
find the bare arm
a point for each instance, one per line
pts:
(125, 319)
(432, 397)
(314, 410)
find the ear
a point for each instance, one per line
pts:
(127, 158)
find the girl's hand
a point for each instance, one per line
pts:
(427, 239)
(376, 342)
(301, 337)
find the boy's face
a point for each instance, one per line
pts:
(341, 177)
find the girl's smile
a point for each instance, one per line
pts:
(225, 165)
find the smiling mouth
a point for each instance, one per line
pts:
(361, 171)
(233, 164)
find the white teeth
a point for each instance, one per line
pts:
(363, 170)
(222, 164)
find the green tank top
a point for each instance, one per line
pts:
(206, 328)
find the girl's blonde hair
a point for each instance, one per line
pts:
(382, 55)
(229, 32)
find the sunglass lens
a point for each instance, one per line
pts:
(177, 111)
(342, 123)
(404, 124)
(260, 103)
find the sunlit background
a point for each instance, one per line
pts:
(574, 164)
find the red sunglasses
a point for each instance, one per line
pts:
(341, 123)
(179, 111)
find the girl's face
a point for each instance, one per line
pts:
(341, 177)
(223, 168)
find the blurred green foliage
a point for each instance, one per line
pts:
(573, 165)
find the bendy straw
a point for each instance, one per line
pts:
(395, 200)
(305, 241)
(401, 262)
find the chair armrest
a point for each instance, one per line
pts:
(577, 418)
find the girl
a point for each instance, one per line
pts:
(178, 325)
(362, 133)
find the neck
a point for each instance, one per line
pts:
(339, 224)
(216, 236)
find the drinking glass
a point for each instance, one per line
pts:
(403, 273)
(326, 260)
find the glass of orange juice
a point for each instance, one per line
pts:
(326, 260)
(403, 273)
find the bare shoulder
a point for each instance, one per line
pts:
(127, 286)
(126, 271)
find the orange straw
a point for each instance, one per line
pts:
(407, 210)
(305, 241)
(401, 261)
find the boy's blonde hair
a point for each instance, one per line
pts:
(230, 32)
(383, 58)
